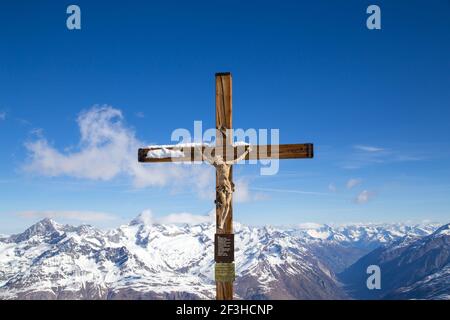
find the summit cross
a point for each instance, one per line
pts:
(222, 156)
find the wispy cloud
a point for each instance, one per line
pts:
(37, 132)
(23, 122)
(365, 155)
(351, 183)
(309, 225)
(2, 115)
(147, 217)
(186, 217)
(368, 148)
(84, 216)
(245, 194)
(332, 187)
(364, 197)
(291, 191)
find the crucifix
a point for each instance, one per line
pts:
(222, 156)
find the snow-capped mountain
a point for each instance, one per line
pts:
(153, 261)
(411, 268)
(340, 246)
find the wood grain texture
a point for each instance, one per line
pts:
(282, 151)
(224, 113)
(224, 107)
(224, 290)
(224, 121)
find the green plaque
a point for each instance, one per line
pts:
(225, 272)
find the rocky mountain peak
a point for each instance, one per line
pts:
(144, 218)
(44, 227)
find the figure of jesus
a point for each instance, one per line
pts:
(225, 187)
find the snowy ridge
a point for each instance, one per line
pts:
(154, 261)
(362, 233)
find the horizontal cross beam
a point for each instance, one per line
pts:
(191, 154)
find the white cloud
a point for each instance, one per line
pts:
(147, 217)
(292, 191)
(332, 187)
(364, 197)
(309, 225)
(368, 148)
(365, 155)
(85, 216)
(185, 217)
(2, 115)
(351, 183)
(37, 132)
(244, 194)
(108, 149)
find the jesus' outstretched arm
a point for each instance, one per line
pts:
(241, 157)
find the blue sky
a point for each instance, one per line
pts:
(376, 104)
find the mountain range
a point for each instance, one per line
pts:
(142, 260)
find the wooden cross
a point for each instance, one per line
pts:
(222, 156)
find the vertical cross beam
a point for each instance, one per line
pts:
(224, 270)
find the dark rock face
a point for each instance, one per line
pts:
(338, 257)
(410, 269)
(46, 228)
(308, 286)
